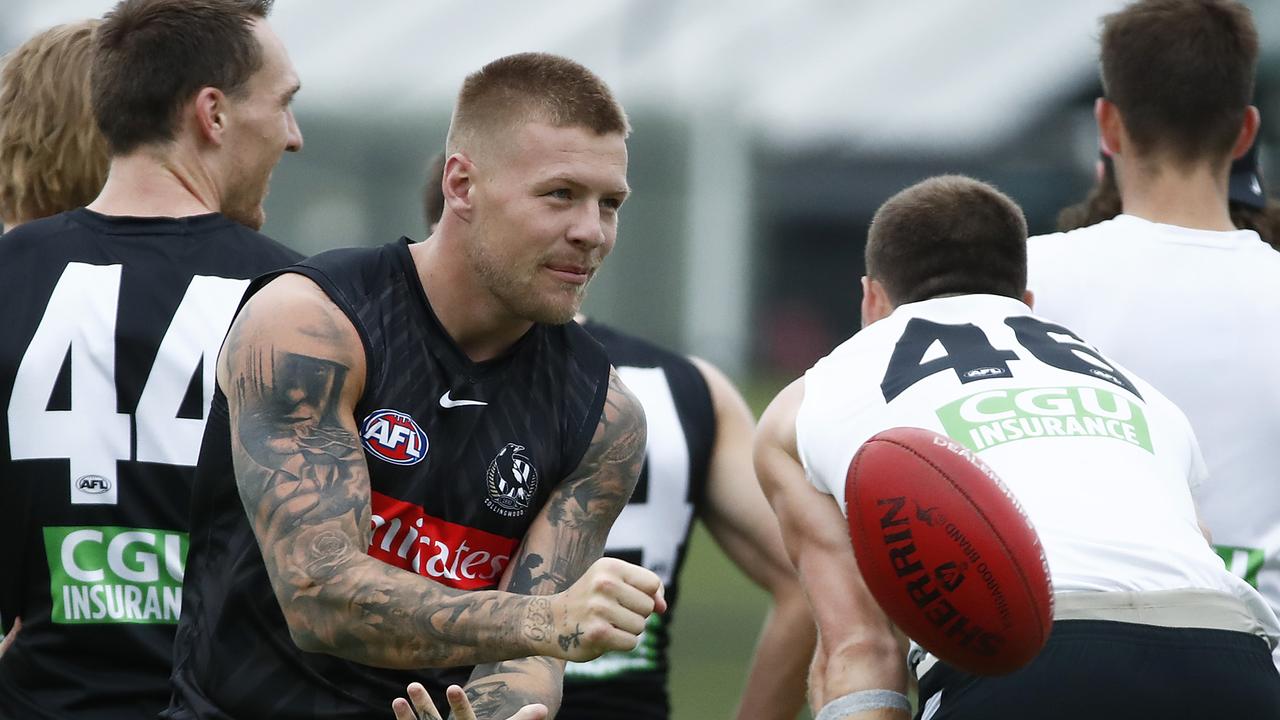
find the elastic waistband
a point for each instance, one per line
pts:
(1206, 609)
(1187, 608)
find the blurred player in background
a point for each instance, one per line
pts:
(1248, 203)
(51, 152)
(1147, 621)
(1171, 288)
(113, 317)
(50, 165)
(698, 464)
(415, 428)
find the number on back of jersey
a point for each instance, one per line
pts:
(78, 332)
(927, 348)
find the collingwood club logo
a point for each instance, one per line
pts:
(512, 481)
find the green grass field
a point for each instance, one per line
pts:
(714, 634)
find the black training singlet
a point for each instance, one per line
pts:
(109, 328)
(653, 529)
(461, 457)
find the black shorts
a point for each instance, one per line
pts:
(1100, 670)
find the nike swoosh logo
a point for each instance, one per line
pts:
(448, 402)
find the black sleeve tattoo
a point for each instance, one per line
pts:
(303, 481)
(579, 514)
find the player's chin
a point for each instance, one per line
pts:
(558, 308)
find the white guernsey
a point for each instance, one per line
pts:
(1114, 511)
(1195, 313)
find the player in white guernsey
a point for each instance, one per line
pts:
(1170, 288)
(1101, 461)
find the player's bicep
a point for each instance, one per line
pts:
(570, 531)
(293, 368)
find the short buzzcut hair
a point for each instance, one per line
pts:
(1181, 73)
(532, 87)
(948, 235)
(52, 157)
(152, 56)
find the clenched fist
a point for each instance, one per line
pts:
(606, 609)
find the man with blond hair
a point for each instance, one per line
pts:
(113, 315)
(50, 166)
(52, 157)
(414, 457)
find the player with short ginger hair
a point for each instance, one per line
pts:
(53, 156)
(697, 466)
(414, 458)
(1101, 462)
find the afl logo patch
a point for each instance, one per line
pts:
(393, 436)
(512, 481)
(94, 484)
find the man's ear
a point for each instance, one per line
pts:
(1248, 132)
(457, 183)
(1029, 299)
(1111, 134)
(208, 110)
(875, 301)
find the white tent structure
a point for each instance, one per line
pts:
(904, 78)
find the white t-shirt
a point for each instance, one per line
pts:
(1197, 313)
(1102, 463)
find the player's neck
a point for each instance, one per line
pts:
(1194, 197)
(146, 184)
(478, 324)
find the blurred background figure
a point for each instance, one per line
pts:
(52, 157)
(1171, 288)
(1248, 203)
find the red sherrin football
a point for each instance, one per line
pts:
(947, 551)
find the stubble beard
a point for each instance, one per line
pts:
(246, 206)
(515, 289)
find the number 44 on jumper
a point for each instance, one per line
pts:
(79, 323)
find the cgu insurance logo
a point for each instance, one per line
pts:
(115, 574)
(996, 417)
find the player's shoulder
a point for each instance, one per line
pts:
(358, 271)
(1052, 245)
(259, 247)
(586, 357)
(850, 375)
(879, 335)
(37, 236)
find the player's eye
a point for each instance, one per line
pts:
(611, 204)
(561, 194)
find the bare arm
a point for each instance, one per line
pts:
(857, 645)
(739, 518)
(293, 369)
(10, 636)
(566, 539)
